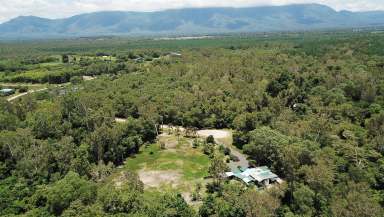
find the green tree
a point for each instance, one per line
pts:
(78, 209)
(80, 163)
(356, 202)
(65, 58)
(72, 187)
(265, 147)
(259, 203)
(46, 121)
(123, 198)
(12, 191)
(210, 139)
(168, 205)
(217, 168)
(303, 202)
(208, 207)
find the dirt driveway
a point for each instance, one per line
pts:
(222, 137)
(26, 93)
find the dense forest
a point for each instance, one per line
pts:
(310, 106)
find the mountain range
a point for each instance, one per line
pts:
(297, 17)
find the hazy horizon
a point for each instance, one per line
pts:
(67, 8)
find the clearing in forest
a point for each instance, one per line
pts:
(175, 163)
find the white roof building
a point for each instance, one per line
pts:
(261, 175)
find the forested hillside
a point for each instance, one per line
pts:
(309, 106)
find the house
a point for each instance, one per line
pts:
(7, 92)
(261, 176)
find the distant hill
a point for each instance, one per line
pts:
(192, 21)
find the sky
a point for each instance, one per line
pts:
(64, 8)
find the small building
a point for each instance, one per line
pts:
(175, 54)
(139, 60)
(6, 92)
(261, 176)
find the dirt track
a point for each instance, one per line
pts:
(225, 134)
(217, 134)
(10, 99)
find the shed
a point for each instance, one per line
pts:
(7, 92)
(175, 54)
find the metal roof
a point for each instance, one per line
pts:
(6, 90)
(251, 174)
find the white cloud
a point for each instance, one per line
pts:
(64, 8)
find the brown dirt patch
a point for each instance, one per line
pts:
(168, 129)
(217, 134)
(169, 141)
(157, 178)
(120, 120)
(119, 180)
(88, 78)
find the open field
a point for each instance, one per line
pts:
(190, 164)
(177, 167)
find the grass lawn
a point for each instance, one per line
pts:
(58, 63)
(177, 168)
(192, 163)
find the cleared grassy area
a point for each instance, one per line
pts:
(17, 86)
(192, 163)
(177, 168)
(77, 58)
(28, 85)
(58, 63)
(48, 74)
